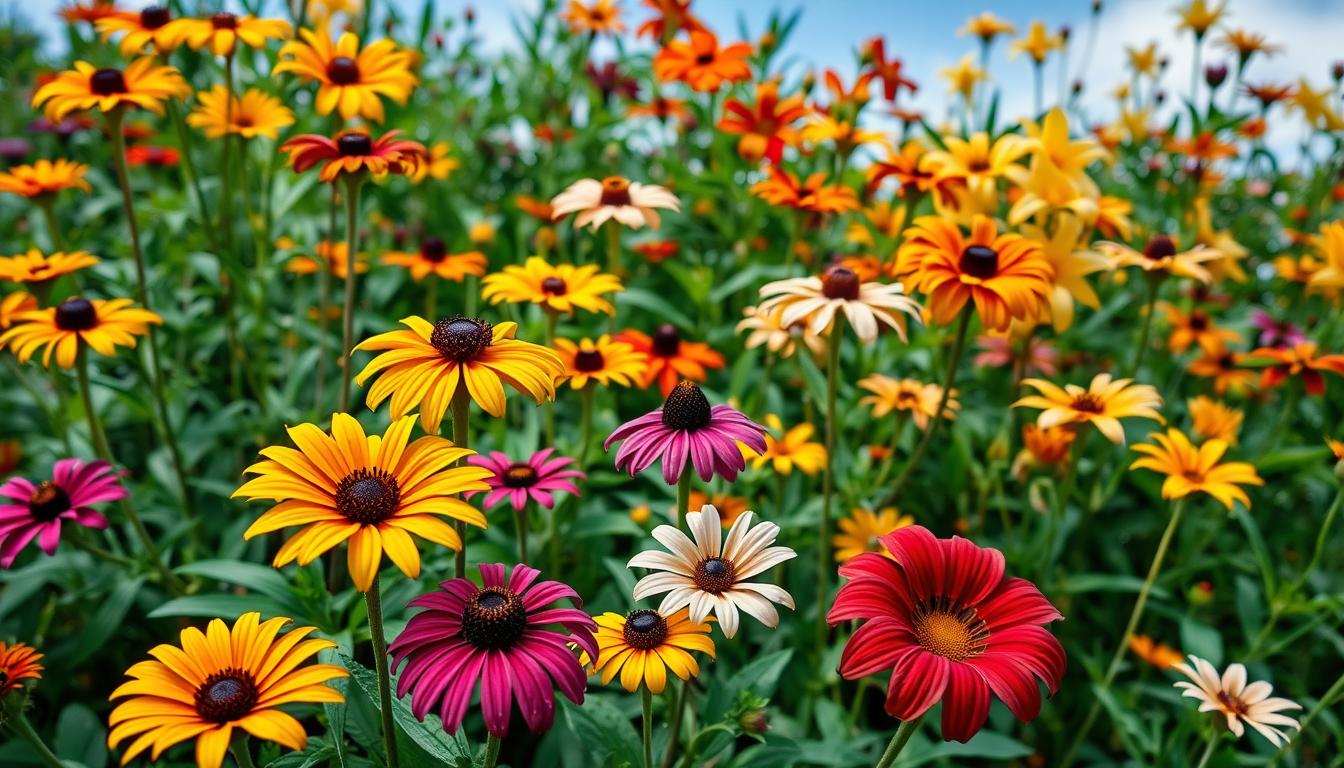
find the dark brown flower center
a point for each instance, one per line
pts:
(980, 261)
(1088, 403)
(494, 618)
(615, 191)
(950, 630)
(224, 21)
(705, 59)
(645, 629)
(106, 82)
(520, 475)
(840, 283)
(226, 696)
(554, 286)
(368, 496)
(666, 340)
(154, 17)
(715, 575)
(76, 314)
(48, 501)
(588, 360)
(433, 249)
(342, 70)
(686, 408)
(461, 338)
(354, 144)
(1199, 321)
(1160, 247)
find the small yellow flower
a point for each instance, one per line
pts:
(1037, 43)
(1213, 420)
(1190, 469)
(860, 531)
(558, 288)
(793, 449)
(254, 114)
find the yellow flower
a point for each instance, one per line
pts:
(44, 178)
(644, 645)
(1072, 262)
(142, 84)
(557, 288)
(1228, 265)
(1042, 448)
(1144, 61)
(254, 114)
(1245, 44)
(330, 257)
(602, 17)
(986, 26)
(978, 163)
(603, 361)
(859, 532)
(1102, 404)
(1198, 17)
(11, 305)
(438, 164)
(1037, 43)
(1212, 420)
(767, 328)
(222, 31)
(1330, 245)
(75, 323)
(151, 25)
(1317, 107)
(911, 396)
(793, 449)
(351, 80)
(481, 234)
(1049, 142)
(433, 258)
(847, 136)
(1161, 255)
(963, 78)
(34, 267)
(1190, 469)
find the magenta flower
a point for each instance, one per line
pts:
(519, 481)
(497, 633)
(687, 429)
(1276, 333)
(28, 510)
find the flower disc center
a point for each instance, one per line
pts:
(354, 144)
(433, 249)
(48, 501)
(666, 340)
(686, 407)
(588, 360)
(106, 82)
(840, 283)
(948, 631)
(1088, 403)
(76, 314)
(226, 696)
(615, 191)
(494, 618)
(368, 496)
(715, 575)
(224, 21)
(1160, 247)
(645, 629)
(461, 338)
(554, 286)
(520, 475)
(980, 261)
(154, 17)
(343, 70)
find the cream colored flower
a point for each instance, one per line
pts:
(814, 301)
(709, 573)
(766, 329)
(1238, 702)
(615, 197)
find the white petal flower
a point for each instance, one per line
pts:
(1238, 702)
(614, 198)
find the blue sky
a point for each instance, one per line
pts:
(924, 35)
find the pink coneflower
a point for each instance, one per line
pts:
(37, 510)
(1276, 333)
(687, 429)
(520, 481)
(502, 634)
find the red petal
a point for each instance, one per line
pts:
(877, 645)
(971, 572)
(917, 683)
(1012, 683)
(1033, 648)
(920, 557)
(965, 703)
(1016, 601)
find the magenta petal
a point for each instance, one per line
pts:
(522, 579)
(50, 537)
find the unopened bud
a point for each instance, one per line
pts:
(1215, 74)
(755, 722)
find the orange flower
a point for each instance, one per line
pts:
(701, 63)
(783, 189)
(1299, 360)
(673, 16)
(1155, 653)
(657, 250)
(600, 18)
(670, 358)
(1195, 327)
(904, 166)
(1204, 146)
(661, 108)
(888, 70)
(765, 127)
(1224, 367)
(354, 152)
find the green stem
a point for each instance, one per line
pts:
(192, 178)
(1322, 704)
(549, 407)
(491, 751)
(828, 485)
(240, 751)
(898, 741)
(1323, 536)
(646, 702)
(521, 517)
(674, 727)
(49, 213)
(683, 496)
(462, 439)
(586, 424)
(613, 247)
(1177, 508)
(352, 184)
(20, 725)
(324, 303)
(373, 600)
(1139, 351)
(949, 378)
(1208, 751)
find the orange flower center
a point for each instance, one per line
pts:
(1160, 247)
(615, 191)
(494, 618)
(715, 575)
(433, 250)
(48, 502)
(520, 475)
(645, 629)
(76, 314)
(840, 283)
(1088, 403)
(107, 82)
(226, 696)
(979, 261)
(461, 338)
(686, 408)
(224, 21)
(554, 286)
(154, 17)
(944, 628)
(368, 496)
(588, 360)
(342, 70)
(666, 341)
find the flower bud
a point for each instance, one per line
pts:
(1215, 74)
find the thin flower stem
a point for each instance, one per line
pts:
(613, 247)
(242, 753)
(1142, 348)
(949, 378)
(1323, 536)
(189, 172)
(897, 743)
(352, 184)
(683, 495)
(674, 727)
(373, 599)
(1208, 751)
(1322, 704)
(1177, 508)
(646, 702)
(462, 439)
(520, 515)
(551, 318)
(20, 725)
(586, 425)
(324, 303)
(492, 745)
(53, 230)
(828, 484)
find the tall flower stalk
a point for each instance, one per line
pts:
(373, 600)
(353, 182)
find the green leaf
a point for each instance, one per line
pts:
(217, 606)
(656, 305)
(261, 579)
(107, 619)
(316, 752)
(604, 729)
(985, 744)
(81, 737)
(1105, 582)
(1291, 459)
(1201, 640)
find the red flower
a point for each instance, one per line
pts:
(949, 625)
(147, 154)
(354, 151)
(888, 70)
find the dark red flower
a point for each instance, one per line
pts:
(949, 625)
(888, 70)
(352, 152)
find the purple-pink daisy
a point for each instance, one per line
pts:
(36, 510)
(520, 481)
(686, 429)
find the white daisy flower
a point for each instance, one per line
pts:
(1239, 702)
(615, 197)
(709, 574)
(814, 302)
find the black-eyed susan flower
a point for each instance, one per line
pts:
(1006, 276)
(556, 287)
(89, 12)
(253, 114)
(370, 491)
(433, 258)
(351, 80)
(1196, 469)
(44, 179)
(426, 363)
(222, 32)
(862, 530)
(18, 662)
(914, 398)
(14, 304)
(143, 83)
(1222, 365)
(614, 198)
(438, 164)
(1161, 255)
(150, 26)
(671, 358)
(792, 449)
(65, 329)
(816, 301)
(223, 679)
(330, 257)
(644, 645)
(1213, 420)
(603, 361)
(353, 152)
(1102, 404)
(1195, 327)
(767, 329)
(36, 267)
(600, 17)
